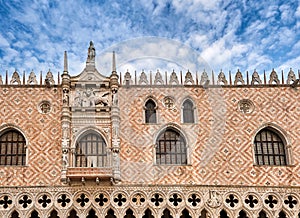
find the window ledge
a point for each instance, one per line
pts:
(173, 165)
(288, 165)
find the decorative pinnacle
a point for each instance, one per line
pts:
(114, 68)
(65, 62)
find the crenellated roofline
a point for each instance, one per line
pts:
(212, 80)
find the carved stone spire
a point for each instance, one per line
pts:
(114, 78)
(65, 62)
(90, 61)
(114, 68)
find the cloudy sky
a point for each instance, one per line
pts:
(150, 35)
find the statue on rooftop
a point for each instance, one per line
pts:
(91, 52)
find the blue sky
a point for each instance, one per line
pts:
(151, 35)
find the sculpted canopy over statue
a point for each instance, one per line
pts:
(91, 52)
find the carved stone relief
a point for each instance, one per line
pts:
(44, 107)
(169, 102)
(90, 98)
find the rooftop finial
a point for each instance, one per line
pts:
(65, 62)
(114, 68)
(91, 53)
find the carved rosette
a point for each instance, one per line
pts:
(245, 106)
(169, 102)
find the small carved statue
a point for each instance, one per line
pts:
(65, 158)
(214, 200)
(91, 52)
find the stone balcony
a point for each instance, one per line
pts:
(90, 172)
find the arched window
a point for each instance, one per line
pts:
(150, 111)
(91, 151)
(188, 115)
(269, 148)
(171, 148)
(12, 148)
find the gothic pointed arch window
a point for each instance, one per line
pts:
(150, 111)
(91, 150)
(171, 148)
(270, 148)
(188, 111)
(12, 148)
